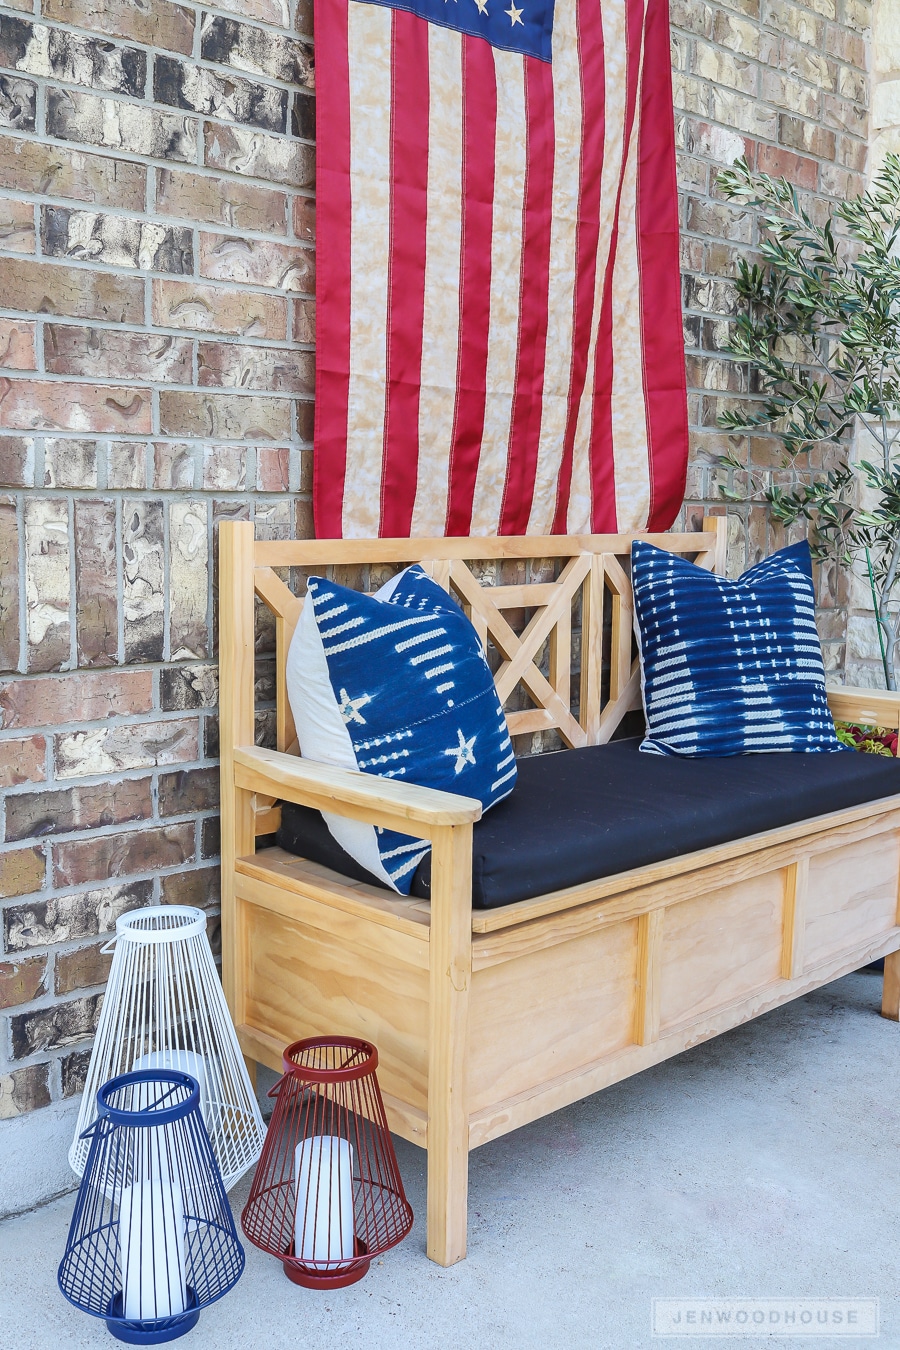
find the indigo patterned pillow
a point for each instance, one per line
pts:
(730, 667)
(397, 685)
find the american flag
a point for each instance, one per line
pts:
(498, 345)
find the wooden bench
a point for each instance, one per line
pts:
(487, 1020)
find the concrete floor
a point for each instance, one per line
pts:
(765, 1163)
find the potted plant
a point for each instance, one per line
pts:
(819, 323)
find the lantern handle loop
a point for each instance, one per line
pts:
(273, 1091)
(91, 1129)
(109, 944)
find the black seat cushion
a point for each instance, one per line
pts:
(580, 815)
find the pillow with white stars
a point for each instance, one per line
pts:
(396, 684)
(730, 667)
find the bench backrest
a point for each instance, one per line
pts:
(557, 612)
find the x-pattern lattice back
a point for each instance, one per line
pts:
(580, 683)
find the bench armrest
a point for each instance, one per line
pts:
(361, 796)
(868, 707)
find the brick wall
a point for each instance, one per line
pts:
(785, 85)
(156, 273)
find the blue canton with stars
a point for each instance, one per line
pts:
(416, 695)
(524, 26)
(730, 667)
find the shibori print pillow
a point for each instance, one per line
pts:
(730, 667)
(396, 684)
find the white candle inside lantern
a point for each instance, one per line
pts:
(151, 1251)
(323, 1175)
(185, 1061)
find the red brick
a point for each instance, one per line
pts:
(128, 745)
(17, 339)
(21, 871)
(279, 159)
(97, 605)
(107, 354)
(258, 262)
(52, 288)
(34, 405)
(196, 886)
(27, 166)
(79, 697)
(305, 218)
(17, 226)
(126, 465)
(123, 854)
(9, 590)
(26, 1089)
(278, 370)
(22, 761)
(273, 469)
(220, 201)
(216, 309)
(156, 23)
(21, 981)
(304, 329)
(230, 417)
(30, 815)
(783, 164)
(82, 969)
(16, 461)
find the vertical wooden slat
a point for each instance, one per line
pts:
(285, 730)
(561, 657)
(796, 885)
(450, 977)
(236, 676)
(592, 596)
(716, 558)
(649, 961)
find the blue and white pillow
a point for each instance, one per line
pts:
(730, 667)
(397, 684)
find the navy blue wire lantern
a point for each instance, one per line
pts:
(152, 1239)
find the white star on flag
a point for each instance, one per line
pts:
(350, 707)
(463, 752)
(482, 6)
(515, 15)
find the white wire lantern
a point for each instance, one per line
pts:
(165, 1009)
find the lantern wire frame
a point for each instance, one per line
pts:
(152, 1231)
(164, 999)
(329, 1092)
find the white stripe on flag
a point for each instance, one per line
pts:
(563, 246)
(369, 51)
(615, 76)
(440, 335)
(629, 415)
(506, 270)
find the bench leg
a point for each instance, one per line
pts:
(890, 998)
(448, 1192)
(450, 960)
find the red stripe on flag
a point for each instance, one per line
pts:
(593, 132)
(534, 299)
(406, 270)
(332, 269)
(479, 134)
(665, 386)
(603, 469)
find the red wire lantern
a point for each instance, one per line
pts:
(327, 1195)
